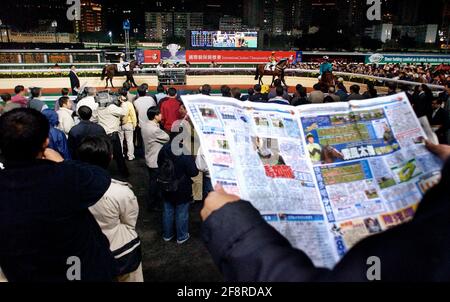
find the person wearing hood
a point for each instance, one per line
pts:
(57, 138)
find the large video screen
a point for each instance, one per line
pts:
(224, 39)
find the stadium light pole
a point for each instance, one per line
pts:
(55, 25)
(1, 31)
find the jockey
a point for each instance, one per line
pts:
(326, 66)
(123, 64)
(272, 62)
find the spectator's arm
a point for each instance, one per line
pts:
(129, 208)
(190, 167)
(162, 137)
(247, 248)
(118, 111)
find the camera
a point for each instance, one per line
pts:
(105, 98)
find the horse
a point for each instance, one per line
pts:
(327, 79)
(278, 72)
(110, 71)
(330, 155)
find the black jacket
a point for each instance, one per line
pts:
(246, 248)
(44, 220)
(184, 166)
(74, 80)
(80, 131)
(440, 118)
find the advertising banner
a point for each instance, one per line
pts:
(406, 59)
(151, 56)
(236, 56)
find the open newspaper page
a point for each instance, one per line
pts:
(257, 151)
(325, 176)
(370, 163)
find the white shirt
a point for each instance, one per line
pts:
(142, 104)
(66, 121)
(91, 103)
(160, 96)
(110, 117)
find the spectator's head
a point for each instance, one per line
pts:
(85, 113)
(182, 111)
(64, 102)
(160, 89)
(92, 91)
(236, 93)
(142, 90)
(64, 92)
(35, 92)
(277, 83)
(206, 89)
(279, 90)
(354, 89)
(257, 88)
(154, 114)
(72, 67)
(172, 92)
(341, 86)
(370, 86)
(331, 89)
(23, 134)
(126, 86)
(298, 88)
(251, 91)
(95, 150)
(436, 104)
(6, 97)
(52, 117)
(225, 90)
(328, 99)
(123, 92)
(19, 89)
(317, 86)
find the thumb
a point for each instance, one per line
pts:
(219, 189)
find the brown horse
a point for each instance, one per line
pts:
(278, 72)
(330, 155)
(110, 71)
(327, 79)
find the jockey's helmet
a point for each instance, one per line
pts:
(326, 58)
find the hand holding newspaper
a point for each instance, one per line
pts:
(325, 176)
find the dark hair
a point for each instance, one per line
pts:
(18, 89)
(328, 99)
(355, 88)
(279, 90)
(172, 91)
(123, 92)
(85, 113)
(392, 86)
(142, 90)
(23, 132)
(71, 66)
(152, 112)
(439, 101)
(236, 93)
(225, 90)
(35, 92)
(126, 86)
(95, 150)
(251, 91)
(257, 88)
(317, 86)
(63, 100)
(303, 93)
(342, 87)
(64, 91)
(206, 89)
(299, 88)
(160, 88)
(6, 97)
(277, 83)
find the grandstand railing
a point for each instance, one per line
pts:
(352, 77)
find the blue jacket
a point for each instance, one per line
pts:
(80, 131)
(326, 67)
(58, 140)
(246, 248)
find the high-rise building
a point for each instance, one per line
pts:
(278, 17)
(302, 14)
(253, 13)
(91, 18)
(161, 25)
(408, 11)
(324, 13)
(229, 23)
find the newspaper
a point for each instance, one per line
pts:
(325, 176)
